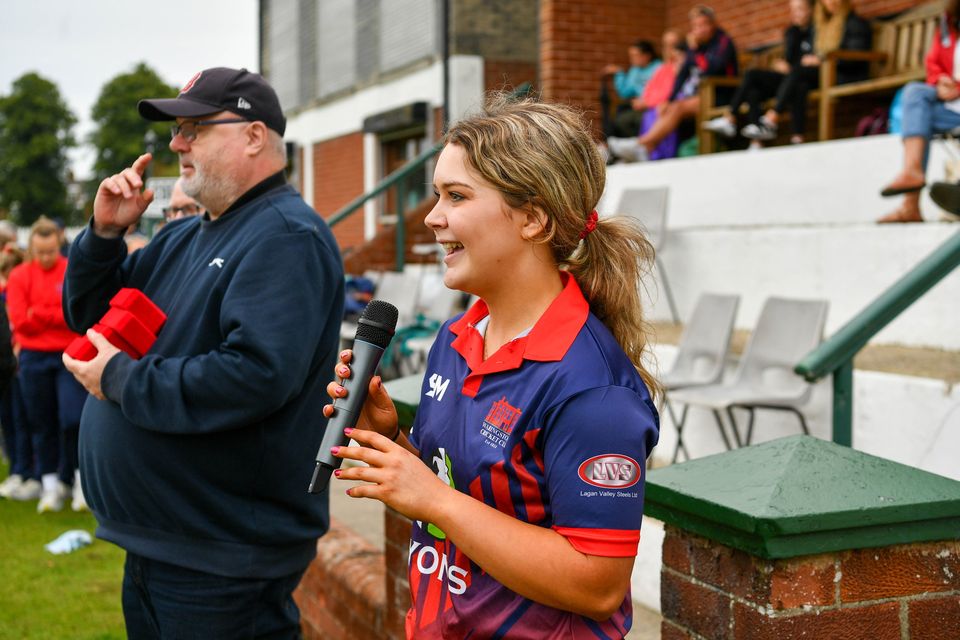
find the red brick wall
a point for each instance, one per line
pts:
(343, 593)
(579, 37)
(756, 22)
(338, 179)
(507, 74)
(353, 590)
(300, 155)
(904, 592)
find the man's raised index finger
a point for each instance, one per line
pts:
(140, 164)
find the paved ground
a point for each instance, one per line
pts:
(365, 517)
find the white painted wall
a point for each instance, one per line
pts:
(849, 265)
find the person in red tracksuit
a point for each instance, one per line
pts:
(53, 399)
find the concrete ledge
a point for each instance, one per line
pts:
(818, 183)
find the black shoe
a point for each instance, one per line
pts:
(947, 197)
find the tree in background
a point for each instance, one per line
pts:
(35, 134)
(121, 135)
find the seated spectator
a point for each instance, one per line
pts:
(835, 26)
(927, 108)
(789, 80)
(711, 52)
(629, 86)
(658, 92)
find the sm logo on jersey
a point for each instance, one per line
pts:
(610, 471)
(438, 387)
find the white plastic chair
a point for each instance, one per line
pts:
(649, 206)
(701, 354)
(786, 331)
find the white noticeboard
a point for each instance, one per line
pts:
(162, 188)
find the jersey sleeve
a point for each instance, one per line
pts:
(595, 447)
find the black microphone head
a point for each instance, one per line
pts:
(377, 323)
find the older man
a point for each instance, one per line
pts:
(181, 205)
(196, 458)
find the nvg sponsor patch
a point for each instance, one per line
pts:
(610, 471)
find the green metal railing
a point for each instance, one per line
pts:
(396, 179)
(836, 354)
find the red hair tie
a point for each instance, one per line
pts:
(591, 224)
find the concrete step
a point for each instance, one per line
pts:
(819, 183)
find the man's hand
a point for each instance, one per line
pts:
(89, 373)
(120, 202)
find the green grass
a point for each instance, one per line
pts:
(48, 597)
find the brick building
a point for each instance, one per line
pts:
(362, 81)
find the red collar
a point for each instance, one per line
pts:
(548, 341)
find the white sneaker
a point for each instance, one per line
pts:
(10, 484)
(52, 501)
(28, 490)
(721, 125)
(78, 503)
(628, 149)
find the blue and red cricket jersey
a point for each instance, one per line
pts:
(552, 429)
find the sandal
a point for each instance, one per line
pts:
(903, 214)
(901, 186)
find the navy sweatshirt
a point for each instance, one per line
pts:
(202, 453)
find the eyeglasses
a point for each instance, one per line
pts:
(170, 213)
(189, 129)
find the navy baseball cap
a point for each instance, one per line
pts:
(210, 91)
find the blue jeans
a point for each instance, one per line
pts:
(924, 115)
(164, 601)
(52, 402)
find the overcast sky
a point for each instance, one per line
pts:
(81, 44)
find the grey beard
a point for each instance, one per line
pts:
(214, 192)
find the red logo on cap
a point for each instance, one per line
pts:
(190, 83)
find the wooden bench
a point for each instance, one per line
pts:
(900, 45)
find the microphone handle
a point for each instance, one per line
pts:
(346, 411)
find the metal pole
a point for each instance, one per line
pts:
(446, 64)
(843, 404)
(401, 225)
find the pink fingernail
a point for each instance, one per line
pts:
(335, 450)
(336, 472)
(348, 492)
(348, 431)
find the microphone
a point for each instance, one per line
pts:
(374, 330)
